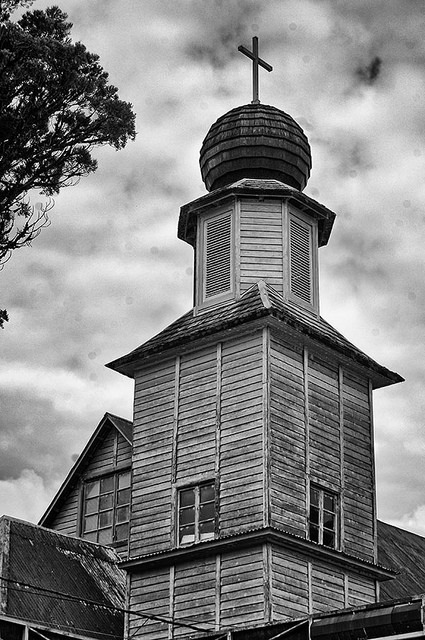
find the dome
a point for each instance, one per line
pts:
(255, 141)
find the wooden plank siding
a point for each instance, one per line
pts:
(287, 427)
(241, 435)
(261, 242)
(66, 520)
(358, 468)
(152, 455)
(327, 588)
(290, 585)
(150, 595)
(242, 587)
(360, 591)
(194, 592)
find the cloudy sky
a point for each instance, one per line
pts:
(109, 272)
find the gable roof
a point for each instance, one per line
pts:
(405, 552)
(260, 301)
(123, 426)
(65, 584)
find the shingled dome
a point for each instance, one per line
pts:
(255, 141)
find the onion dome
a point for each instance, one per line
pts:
(255, 141)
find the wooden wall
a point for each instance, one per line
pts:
(321, 432)
(261, 242)
(111, 450)
(197, 417)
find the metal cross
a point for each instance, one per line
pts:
(256, 62)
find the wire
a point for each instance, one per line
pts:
(51, 593)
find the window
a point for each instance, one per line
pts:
(323, 522)
(106, 508)
(196, 513)
(301, 259)
(215, 251)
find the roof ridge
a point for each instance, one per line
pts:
(264, 294)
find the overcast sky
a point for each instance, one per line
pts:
(110, 272)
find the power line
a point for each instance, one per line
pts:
(52, 593)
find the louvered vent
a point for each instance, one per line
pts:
(218, 267)
(301, 262)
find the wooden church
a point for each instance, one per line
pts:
(242, 498)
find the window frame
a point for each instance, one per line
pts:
(202, 301)
(114, 508)
(197, 522)
(319, 525)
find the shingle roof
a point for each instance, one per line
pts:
(65, 583)
(259, 301)
(404, 552)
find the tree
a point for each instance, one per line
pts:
(56, 106)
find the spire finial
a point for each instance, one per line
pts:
(256, 62)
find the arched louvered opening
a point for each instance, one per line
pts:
(301, 259)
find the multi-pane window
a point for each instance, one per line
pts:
(323, 522)
(106, 508)
(196, 513)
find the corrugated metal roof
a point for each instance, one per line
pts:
(67, 583)
(260, 301)
(405, 552)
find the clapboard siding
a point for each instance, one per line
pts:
(287, 426)
(103, 457)
(152, 456)
(290, 588)
(149, 594)
(261, 243)
(124, 451)
(324, 422)
(241, 588)
(194, 594)
(66, 520)
(358, 467)
(360, 591)
(197, 401)
(241, 434)
(327, 588)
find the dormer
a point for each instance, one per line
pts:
(255, 224)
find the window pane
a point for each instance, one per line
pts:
(314, 497)
(187, 498)
(121, 532)
(328, 520)
(105, 519)
(124, 480)
(187, 516)
(122, 514)
(90, 523)
(107, 484)
(123, 496)
(328, 538)
(206, 529)
(91, 506)
(105, 536)
(207, 511)
(92, 536)
(187, 534)
(314, 533)
(92, 489)
(329, 502)
(314, 515)
(106, 501)
(207, 493)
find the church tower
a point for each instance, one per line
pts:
(253, 487)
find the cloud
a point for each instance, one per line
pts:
(26, 497)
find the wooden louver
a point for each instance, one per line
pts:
(300, 260)
(218, 268)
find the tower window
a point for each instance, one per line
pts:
(323, 521)
(106, 508)
(215, 270)
(196, 513)
(301, 259)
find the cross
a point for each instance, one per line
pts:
(256, 62)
